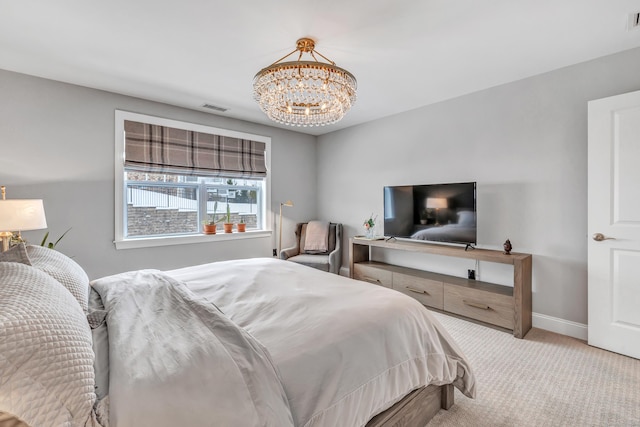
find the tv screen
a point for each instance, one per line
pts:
(433, 212)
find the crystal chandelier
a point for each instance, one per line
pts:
(304, 93)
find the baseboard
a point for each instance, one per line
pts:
(560, 326)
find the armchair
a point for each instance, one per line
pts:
(328, 261)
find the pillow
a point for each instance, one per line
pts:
(46, 358)
(467, 218)
(63, 269)
(17, 253)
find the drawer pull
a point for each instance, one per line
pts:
(371, 280)
(476, 305)
(418, 291)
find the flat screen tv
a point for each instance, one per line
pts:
(433, 212)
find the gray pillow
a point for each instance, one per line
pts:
(17, 253)
(46, 357)
(63, 269)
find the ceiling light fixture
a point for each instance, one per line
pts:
(304, 93)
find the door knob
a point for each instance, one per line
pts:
(599, 237)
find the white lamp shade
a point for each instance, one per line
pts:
(436, 203)
(22, 215)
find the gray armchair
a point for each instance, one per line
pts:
(329, 261)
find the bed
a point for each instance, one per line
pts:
(259, 342)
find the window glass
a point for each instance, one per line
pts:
(164, 204)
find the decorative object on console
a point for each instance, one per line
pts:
(304, 93)
(507, 247)
(288, 203)
(370, 227)
(19, 215)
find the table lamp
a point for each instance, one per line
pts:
(19, 215)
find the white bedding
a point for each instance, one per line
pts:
(345, 350)
(175, 360)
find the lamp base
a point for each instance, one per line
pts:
(6, 239)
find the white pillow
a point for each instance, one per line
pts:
(46, 357)
(63, 269)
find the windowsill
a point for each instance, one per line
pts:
(147, 242)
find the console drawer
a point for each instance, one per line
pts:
(488, 307)
(428, 292)
(374, 275)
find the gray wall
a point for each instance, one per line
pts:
(525, 143)
(57, 144)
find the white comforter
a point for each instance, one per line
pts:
(345, 350)
(175, 360)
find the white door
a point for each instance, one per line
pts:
(614, 212)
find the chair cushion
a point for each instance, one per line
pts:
(321, 262)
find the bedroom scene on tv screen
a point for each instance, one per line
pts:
(435, 212)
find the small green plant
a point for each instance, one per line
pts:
(241, 220)
(228, 213)
(52, 245)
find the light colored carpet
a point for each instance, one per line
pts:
(545, 379)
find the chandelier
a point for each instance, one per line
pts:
(304, 93)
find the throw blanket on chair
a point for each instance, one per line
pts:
(317, 237)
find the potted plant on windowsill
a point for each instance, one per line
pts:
(241, 226)
(209, 225)
(228, 225)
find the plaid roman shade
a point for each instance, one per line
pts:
(161, 149)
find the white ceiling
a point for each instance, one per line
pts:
(405, 53)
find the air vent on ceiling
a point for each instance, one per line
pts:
(214, 107)
(634, 21)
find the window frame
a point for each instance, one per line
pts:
(120, 194)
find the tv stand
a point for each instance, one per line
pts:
(504, 306)
(469, 246)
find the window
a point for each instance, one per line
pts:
(170, 176)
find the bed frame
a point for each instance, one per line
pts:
(417, 408)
